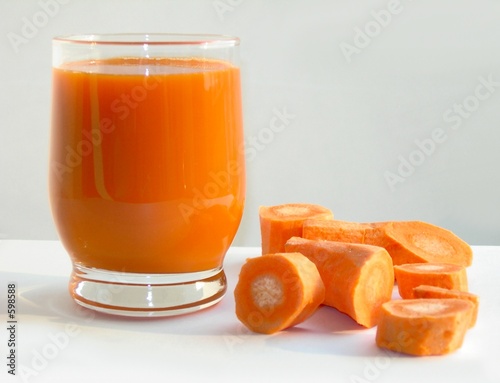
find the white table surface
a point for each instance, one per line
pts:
(59, 341)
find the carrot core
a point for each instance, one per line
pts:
(267, 291)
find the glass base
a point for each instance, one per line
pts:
(144, 295)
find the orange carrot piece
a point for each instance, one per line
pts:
(406, 241)
(277, 291)
(281, 222)
(422, 242)
(444, 275)
(425, 291)
(423, 326)
(358, 278)
(340, 231)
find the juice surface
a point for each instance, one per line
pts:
(147, 165)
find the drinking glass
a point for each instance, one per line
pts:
(146, 173)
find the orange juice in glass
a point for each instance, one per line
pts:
(147, 173)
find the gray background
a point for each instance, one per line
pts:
(393, 106)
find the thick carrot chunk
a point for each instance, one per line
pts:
(423, 326)
(358, 278)
(406, 241)
(425, 291)
(281, 222)
(277, 291)
(444, 275)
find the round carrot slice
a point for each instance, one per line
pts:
(423, 326)
(444, 275)
(425, 291)
(277, 291)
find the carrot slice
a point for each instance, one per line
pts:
(277, 291)
(423, 326)
(425, 291)
(281, 222)
(358, 278)
(444, 275)
(415, 241)
(406, 241)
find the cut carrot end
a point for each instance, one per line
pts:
(277, 291)
(425, 291)
(423, 326)
(443, 275)
(281, 222)
(415, 241)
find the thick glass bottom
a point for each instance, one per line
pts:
(144, 295)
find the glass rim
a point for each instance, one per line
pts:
(166, 39)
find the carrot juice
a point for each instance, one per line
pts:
(147, 165)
